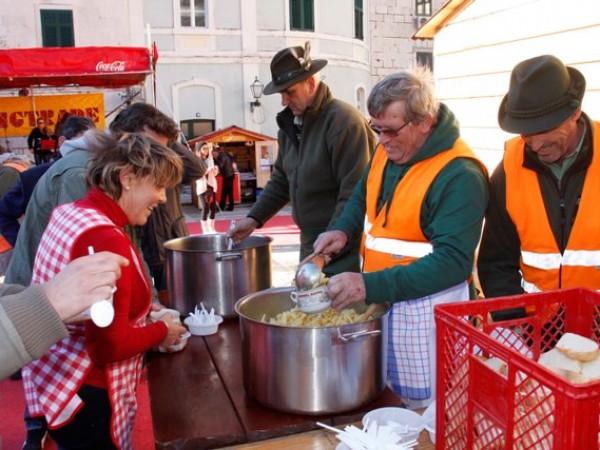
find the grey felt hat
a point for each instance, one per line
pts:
(543, 93)
(290, 66)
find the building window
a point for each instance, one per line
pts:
(57, 28)
(302, 15)
(193, 13)
(196, 127)
(361, 102)
(358, 20)
(425, 59)
(423, 7)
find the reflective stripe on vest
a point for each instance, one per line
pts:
(401, 241)
(542, 265)
(548, 261)
(396, 247)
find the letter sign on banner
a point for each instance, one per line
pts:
(17, 117)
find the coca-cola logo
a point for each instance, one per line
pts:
(115, 66)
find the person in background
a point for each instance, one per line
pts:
(419, 208)
(14, 202)
(58, 129)
(9, 176)
(324, 145)
(31, 318)
(206, 188)
(96, 370)
(541, 226)
(227, 169)
(34, 142)
(167, 220)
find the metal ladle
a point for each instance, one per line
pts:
(309, 274)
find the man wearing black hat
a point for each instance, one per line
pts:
(541, 229)
(324, 145)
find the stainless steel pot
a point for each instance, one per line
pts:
(201, 269)
(310, 370)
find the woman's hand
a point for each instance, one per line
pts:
(174, 331)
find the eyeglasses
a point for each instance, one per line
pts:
(388, 133)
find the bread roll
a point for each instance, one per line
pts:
(591, 370)
(578, 347)
(555, 359)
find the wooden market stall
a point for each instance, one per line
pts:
(254, 154)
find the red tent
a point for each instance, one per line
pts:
(107, 67)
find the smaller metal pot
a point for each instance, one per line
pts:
(201, 269)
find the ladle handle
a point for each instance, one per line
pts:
(315, 258)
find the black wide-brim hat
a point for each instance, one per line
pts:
(542, 94)
(290, 66)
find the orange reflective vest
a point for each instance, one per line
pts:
(401, 241)
(543, 267)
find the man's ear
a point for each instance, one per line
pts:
(425, 124)
(61, 140)
(312, 83)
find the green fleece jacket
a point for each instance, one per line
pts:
(316, 169)
(451, 218)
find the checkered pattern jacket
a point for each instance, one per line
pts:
(51, 383)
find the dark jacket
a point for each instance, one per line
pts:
(316, 169)
(225, 163)
(34, 139)
(167, 220)
(498, 261)
(14, 202)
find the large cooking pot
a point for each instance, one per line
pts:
(201, 269)
(310, 370)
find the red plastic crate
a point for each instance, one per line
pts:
(530, 407)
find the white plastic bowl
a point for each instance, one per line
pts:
(203, 329)
(400, 418)
(176, 347)
(428, 419)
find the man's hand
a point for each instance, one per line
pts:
(243, 228)
(346, 288)
(330, 242)
(83, 282)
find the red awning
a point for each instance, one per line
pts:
(107, 67)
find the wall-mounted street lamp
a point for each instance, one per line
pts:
(257, 90)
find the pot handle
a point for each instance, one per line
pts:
(347, 337)
(228, 256)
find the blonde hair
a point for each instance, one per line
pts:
(142, 156)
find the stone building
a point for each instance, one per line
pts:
(211, 51)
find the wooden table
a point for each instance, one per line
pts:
(314, 440)
(198, 401)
